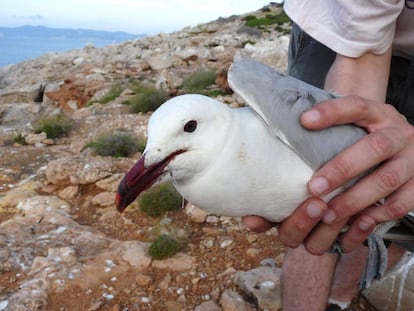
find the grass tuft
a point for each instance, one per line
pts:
(117, 144)
(54, 126)
(202, 82)
(164, 246)
(148, 98)
(112, 94)
(158, 200)
(269, 19)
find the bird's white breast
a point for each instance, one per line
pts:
(254, 174)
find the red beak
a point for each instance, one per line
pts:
(140, 178)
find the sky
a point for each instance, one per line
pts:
(134, 16)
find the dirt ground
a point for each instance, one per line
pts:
(133, 292)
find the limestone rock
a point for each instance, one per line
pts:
(396, 290)
(263, 285)
(135, 254)
(196, 214)
(208, 306)
(233, 301)
(179, 262)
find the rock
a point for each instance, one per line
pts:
(143, 280)
(232, 301)
(196, 214)
(35, 139)
(396, 290)
(180, 262)
(134, 253)
(16, 195)
(270, 52)
(208, 306)
(104, 199)
(173, 305)
(160, 62)
(18, 114)
(25, 93)
(69, 193)
(263, 285)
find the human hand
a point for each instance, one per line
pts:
(390, 142)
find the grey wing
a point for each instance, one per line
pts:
(280, 100)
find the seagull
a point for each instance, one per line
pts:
(254, 160)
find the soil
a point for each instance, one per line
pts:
(185, 291)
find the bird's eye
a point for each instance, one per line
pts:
(190, 126)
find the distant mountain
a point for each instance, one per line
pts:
(27, 42)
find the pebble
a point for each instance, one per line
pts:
(226, 243)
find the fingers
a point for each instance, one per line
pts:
(385, 180)
(389, 145)
(257, 224)
(322, 237)
(363, 112)
(357, 233)
(396, 206)
(298, 226)
(360, 157)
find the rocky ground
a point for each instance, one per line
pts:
(63, 245)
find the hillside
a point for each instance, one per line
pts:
(63, 245)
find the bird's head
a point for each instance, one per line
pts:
(184, 135)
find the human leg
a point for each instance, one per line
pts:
(306, 280)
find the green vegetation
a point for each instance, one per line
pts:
(202, 82)
(118, 143)
(54, 126)
(164, 246)
(19, 139)
(157, 201)
(112, 94)
(269, 19)
(148, 98)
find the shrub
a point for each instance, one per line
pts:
(116, 144)
(113, 93)
(202, 82)
(164, 246)
(158, 200)
(148, 98)
(54, 126)
(249, 17)
(269, 19)
(19, 139)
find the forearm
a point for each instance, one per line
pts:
(366, 76)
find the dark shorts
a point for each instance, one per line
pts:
(309, 60)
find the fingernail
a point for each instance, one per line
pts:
(318, 185)
(314, 210)
(311, 116)
(365, 225)
(329, 217)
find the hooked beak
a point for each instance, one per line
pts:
(139, 178)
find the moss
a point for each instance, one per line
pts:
(117, 144)
(159, 200)
(148, 98)
(164, 246)
(54, 126)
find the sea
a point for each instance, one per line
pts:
(28, 42)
